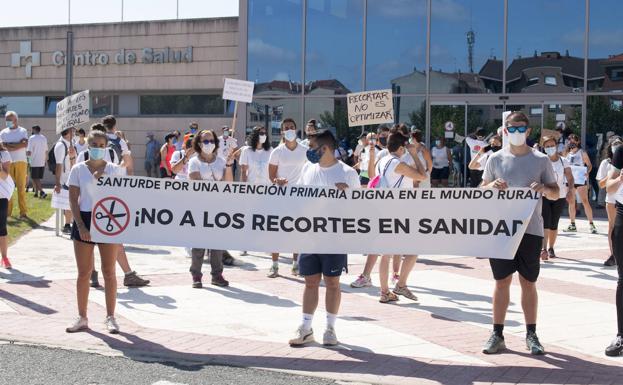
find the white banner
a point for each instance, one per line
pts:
(238, 90)
(72, 111)
(370, 107)
(240, 216)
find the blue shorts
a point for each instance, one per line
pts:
(330, 265)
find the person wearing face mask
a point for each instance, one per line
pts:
(177, 140)
(254, 159)
(424, 154)
(441, 164)
(228, 144)
(15, 139)
(193, 128)
(479, 161)
(364, 158)
(284, 167)
(65, 155)
(605, 168)
(576, 156)
(552, 208)
(180, 159)
(476, 142)
(118, 144)
(208, 166)
(310, 129)
(519, 166)
(81, 141)
(82, 180)
(322, 169)
(166, 152)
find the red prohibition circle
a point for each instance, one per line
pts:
(110, 216)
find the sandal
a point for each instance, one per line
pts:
(388, 297)
(544, 255)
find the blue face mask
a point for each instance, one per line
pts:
(314, 155)
(9, 124)
(97, 153)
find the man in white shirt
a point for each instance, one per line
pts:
(118, 144)
(322, 170)
(15, 139)
(65, 155)
(284, 167)
(37, 151)
(227, 143)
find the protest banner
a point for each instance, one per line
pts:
(238, 91)
(72, 111)
(370, 107)
(271, 218)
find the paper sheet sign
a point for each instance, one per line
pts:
(370, 107)
(72, 111)
(238, 90)
(61, 200)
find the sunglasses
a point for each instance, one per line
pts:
(207, 141)
(520, 129)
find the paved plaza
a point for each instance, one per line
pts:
(437, 340)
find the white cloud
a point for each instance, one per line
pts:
(448, 10)
(260, 48)
(281, 76)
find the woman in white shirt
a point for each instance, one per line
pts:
(576, 156)
(479, 160)
(441, 164)
(602, 177)
(254, 159)
(81, 181)
(208, 166)
(6, 183)
(180, 159)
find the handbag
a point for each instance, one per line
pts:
(6, 187)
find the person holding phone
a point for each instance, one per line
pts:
(479, 161)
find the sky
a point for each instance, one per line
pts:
(53, 12)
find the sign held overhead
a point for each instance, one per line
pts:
(72, 111)
(370, 107)
(238, 90)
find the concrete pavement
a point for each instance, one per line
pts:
(436, 340)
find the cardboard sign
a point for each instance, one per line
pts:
(554, 133)
(72, 111)
(238, 90)
(370, 107)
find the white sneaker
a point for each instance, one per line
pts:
(273, 272)
(111, 325)
(302, 337)
(361, 281)
(78, 325)
(329, 338)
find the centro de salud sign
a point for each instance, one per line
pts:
(123, 56)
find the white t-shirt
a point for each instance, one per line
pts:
(81, 147)
(5, 157)
(314, 175)
(358, 150)
(289, 162)
(605, 167)
(257, 161)
(226, 145)
(364, 158)
(15, 135)
(125, 150)
(387, 168)
(61, 153)
(38, 148)
(209, 171)
(576, 159)
(559, 167)
(474, 146)
(80, 176)
(115, 158)
(176, 157)
(440, 157)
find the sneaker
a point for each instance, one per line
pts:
(404, 291)
(134, 280)
(67, 229)
(571, 228)
(329, 338)
(395, 278)
(197, 282)
(615, 348)
(533, 344)
(94, 281)
(593, 228)
(610, 261)
(551, 253)
(295, 269)
(43, 195)
(111, 325)
(78, 325)
(218, 280)
(388, 297)
(362, 281)
(494, 344)
(6, 263)
(273, 272)
(302, 337)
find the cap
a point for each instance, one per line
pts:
(150, 134)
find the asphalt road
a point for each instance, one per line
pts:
(40, 365)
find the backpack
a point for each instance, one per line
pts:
(115, 145)
(52, 158)
(110, 151)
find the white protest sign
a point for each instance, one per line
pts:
(304, 219)
(238, 90)
(560, 118)
(580, 173)
(60, 200)
(72, 111)
(370, 107)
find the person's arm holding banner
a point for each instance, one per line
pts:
(244, 164)
(74, 205)
(229, 164)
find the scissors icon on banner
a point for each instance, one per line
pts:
(110, 215)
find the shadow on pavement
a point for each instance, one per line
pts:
(252, 297)
(432, 262)
(142, 250)
(21, 301)
(17, 277)
(137, 296)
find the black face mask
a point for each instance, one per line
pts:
(383, 140)
(496, 148)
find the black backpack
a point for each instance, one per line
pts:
(52, 158)
(115, 145)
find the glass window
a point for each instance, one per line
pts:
(101, 105)
(605, 46)
(333, 61)
(50, 104)
(23, 105)
(182, 105)
(396, 45)
(533, 81)
(270, 112)
(332, 114)
(604, 115)
(466, 48)
(545, 39)
(274, 44)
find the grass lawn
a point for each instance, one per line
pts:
(39, 211)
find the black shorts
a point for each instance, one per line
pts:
(75, 234)
(551, 212)
(364, 180)
(475, 177)
(36, 172)
(440, 173)
(527, 261)
(330, 265)
(4, 208)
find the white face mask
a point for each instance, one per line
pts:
(517, 138)
(289, 135)
(438, 143)
(207, 148)
(550, 151)
(262, 139)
